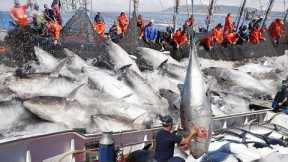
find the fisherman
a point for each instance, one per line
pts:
(140, 25)
(281, 98)
(217, 34)
(189, 22)
(231, 38)
(256, 35)
(180, 38)
(276, 30)
(216, 37)
(189, 27)
(98, 17)
(207, 42)
(56, 11)
(166, 140)
(55, 29)
(123, 22)
(38, 20)
(99, 27)
(228, 26)
(243, 34)
(48, 13)
(19, 14)
(115, 32)
(150, 33)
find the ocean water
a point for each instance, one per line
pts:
(161, 19)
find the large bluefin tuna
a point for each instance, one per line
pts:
(118, 57)
(47, 62)
(195, 107)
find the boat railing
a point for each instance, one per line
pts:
(55, 146)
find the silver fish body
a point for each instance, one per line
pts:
(195, 106)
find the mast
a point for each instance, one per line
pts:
(285, 16)
(210, 13)
(241, 13)
(176, 10)
(192, 6)
(267, 12)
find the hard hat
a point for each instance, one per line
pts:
(151, 20)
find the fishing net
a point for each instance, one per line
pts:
(79, 28)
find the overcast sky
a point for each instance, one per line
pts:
(154, 5)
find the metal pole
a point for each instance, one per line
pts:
(188, 12)
(267, 12)
(241, 13)
(286, 15)
(130, 1)
(175, 13)
(192, 7)
(210, 13)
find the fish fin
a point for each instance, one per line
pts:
(133, 57)
(68, 52)
(162, 64)
(72, 95)
(123, 68)
(129, 95)
(56, 71)
(268, 134)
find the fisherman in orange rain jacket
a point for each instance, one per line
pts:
(180, 38)
(256, 35)
(123, 22)
(140, 25)
(19, 14)
(55, 30)
(100, 28)
(231, 38)
(207, 42)
(276, 29)
(228, 26)
(217, 34)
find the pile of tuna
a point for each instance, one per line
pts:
(129, 93)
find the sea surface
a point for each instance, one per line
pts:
(161, 19)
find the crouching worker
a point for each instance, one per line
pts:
(55, 30)
(166, 140)
(281, 101)
(19, 14)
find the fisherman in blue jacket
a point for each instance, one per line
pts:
(150, 32)
(281, 98)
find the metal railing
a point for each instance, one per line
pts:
(39, 148)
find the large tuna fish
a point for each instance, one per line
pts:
(165, 64)
(61, 110)
(47, 62)
(108, 84)
(42, 85)
(240, 82)
(141, 87)
(118, 57)
(195, 107)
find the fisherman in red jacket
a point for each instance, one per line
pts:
(276, 30)
(123, 22)
(19, 14)
(256, 35)
(217, 34)
(140, 25)
(228, 26)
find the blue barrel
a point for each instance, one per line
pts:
(106, 148)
